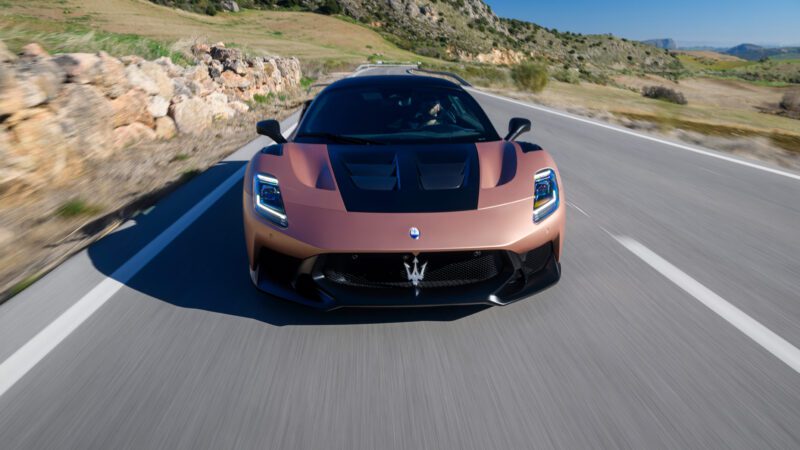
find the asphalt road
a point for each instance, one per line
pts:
(675, 325)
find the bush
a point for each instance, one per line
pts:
(329, 7)
(567, 76)
(664, 93)
(529, 76)
(791, 101)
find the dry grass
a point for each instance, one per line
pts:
(716, 107)
(714, 56)
(305, 35)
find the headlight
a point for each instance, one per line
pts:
(267, 199)
(545, 200)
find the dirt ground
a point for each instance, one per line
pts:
(722, 115)
(732, 94)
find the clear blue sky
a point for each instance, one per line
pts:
(715, 22)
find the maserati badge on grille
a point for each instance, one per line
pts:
(416, 275)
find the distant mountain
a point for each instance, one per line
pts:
(754, 52)
(667, 44)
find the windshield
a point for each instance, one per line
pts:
(389, 115)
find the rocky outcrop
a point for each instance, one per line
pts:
(60, 112)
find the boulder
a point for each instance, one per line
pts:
(192, 116)
(35, 81)
(232, 80)
(229, 5)
(12, 98)
(239, 107)
(237, 65)
(132, 134)
(180, 88)
(256, 63)
(133, 106)
(34, 50)
(131, 59)
(198, 73)
(165, 128)
(157, 73)
(290, 71)
(222, 54)
(158, 106)
(84, 114)
(218, 104)
(81, 68)
(44, 73)
(112, 80)
(138, 79)
(173, 70)
(200, 49)
(39, 148)
(215, 69)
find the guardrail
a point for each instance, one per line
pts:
(460, 80)
(373, 65)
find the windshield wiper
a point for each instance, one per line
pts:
(340, 138)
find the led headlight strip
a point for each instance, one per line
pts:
(267, 199)
(546, 198)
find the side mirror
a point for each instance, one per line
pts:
(516, 127)
(306, 104)
(271, 129)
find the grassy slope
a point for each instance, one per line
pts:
(305, 35)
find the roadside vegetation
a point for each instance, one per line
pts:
(664, 93)
(530, 77)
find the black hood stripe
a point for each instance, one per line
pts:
(407, 178)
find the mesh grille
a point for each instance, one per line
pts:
(388, 270)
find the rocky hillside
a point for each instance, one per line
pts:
(468, 30)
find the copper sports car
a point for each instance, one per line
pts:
(397, 191)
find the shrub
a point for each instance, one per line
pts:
(529, 76)
(594, 77)
(77, 207)
(664, 93)
(567, 76)
(791, 101)
(329, 7)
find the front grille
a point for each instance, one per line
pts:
(448, 269)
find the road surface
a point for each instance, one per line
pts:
(675, 325)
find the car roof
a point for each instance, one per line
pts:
(392, 80)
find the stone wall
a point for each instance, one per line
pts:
(62, 113)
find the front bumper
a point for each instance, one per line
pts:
(331, 281)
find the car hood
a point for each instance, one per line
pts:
(402, 178)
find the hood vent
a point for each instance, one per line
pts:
(375, 176)
(411, 178)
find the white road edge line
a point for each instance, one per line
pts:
(710, 153)
(27, 356)
(578, 208)
(762, 335)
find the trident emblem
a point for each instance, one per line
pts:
(416, 275)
